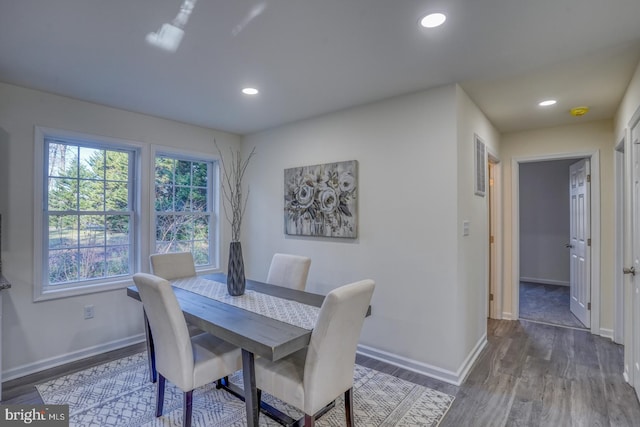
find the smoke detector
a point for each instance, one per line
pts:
(579, 111)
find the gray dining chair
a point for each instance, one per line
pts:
(175, 265)
(288, 270)
(188, 362)
(312, 378)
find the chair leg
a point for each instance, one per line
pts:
(159, 395)
(222, 382)
(309, 420)
(348, 406)
(187, 408)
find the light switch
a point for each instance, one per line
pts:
(465, 227)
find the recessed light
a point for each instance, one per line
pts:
(433, 20)
(547, 102)
(250, 91)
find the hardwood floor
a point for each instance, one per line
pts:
(532, 374)
(529, 374)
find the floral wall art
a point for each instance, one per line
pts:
(321, 200)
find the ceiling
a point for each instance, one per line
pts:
(311, 57)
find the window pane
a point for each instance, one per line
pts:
(63, 266)
(117, 196)
(92, 263)
(117, 229)
(201, 253)
(183, 172)
(183, 196)
(63, 231)
(164, 170)
(91, 195)
(165, 228)
(164, 198)
(91, 163)
(184, 228)
(92, 230)
(201, 228)
(63, 194)
(62, 160)
(118, 260)
(199, 200)
(200, 174)
(117, 166)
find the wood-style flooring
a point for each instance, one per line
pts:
(529, 374)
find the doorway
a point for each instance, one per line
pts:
(517, 247)
(547, 252)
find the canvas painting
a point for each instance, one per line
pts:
(321, 200)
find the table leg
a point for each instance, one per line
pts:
(151, 351)
(250, 389)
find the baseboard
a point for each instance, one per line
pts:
(545, 281)
(451, 377)
(42, 365)
(606, 333)
(506, 315)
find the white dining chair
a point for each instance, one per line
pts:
(288, 270)
(175, 265)
(312, 378)
(188, 362)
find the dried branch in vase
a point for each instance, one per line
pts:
(234, 204)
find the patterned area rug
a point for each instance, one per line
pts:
(119, 394)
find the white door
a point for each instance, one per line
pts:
(579, 242)
(635, 247)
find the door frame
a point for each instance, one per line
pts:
(619, 167)
(495, 249)
(594, 157)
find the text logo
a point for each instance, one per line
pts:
(34, 415)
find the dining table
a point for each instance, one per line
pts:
(236, 320)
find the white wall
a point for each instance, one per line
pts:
(579, 138)
(628, 107)
(43, 334)
(544, 222)
(407, 241)
(473, 250)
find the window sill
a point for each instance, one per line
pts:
(52, 292)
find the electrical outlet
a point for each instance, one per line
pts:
(88, 311)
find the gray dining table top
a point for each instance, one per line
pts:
(261, 335)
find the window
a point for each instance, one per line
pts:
(88, 212)
(183, 206)
(103, 205)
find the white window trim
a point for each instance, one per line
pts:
(141, 187)
(158, 150)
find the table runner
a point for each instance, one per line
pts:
(284, 310)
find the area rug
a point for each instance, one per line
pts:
(120, 394)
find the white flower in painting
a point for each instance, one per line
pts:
(347, 182)
(328, 200)
(304, 195)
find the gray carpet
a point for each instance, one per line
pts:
(547, 303)
(119, 394)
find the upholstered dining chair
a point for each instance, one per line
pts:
(312, 378)
(172, 266)
(290, 271)
(188, 362)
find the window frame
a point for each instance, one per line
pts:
(42, 289)
(213, 200)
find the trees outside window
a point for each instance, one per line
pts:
(89, 212)
(183, 206)
(93, 230)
